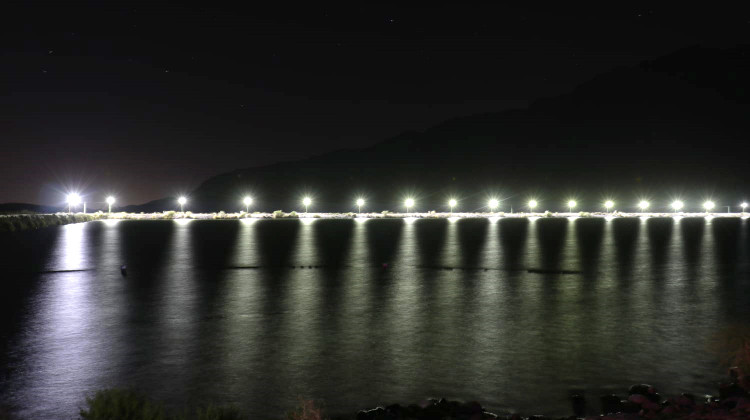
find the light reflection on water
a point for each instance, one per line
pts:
(509, 312)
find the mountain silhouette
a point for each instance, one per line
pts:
(676, 125)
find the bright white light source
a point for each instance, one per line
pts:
(532, 204)
(452, 202)
(609, 204)
(571, 204)
(744, 206)
(643, 205)
(360, 202)
(181, 201)
(493, 203)
(677, 205)
(708, 205)
(306, 201)
(110, 200)
(247, 201)
(74, 199)
(409, 202)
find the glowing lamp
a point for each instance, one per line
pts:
(73, 200)
(110, 200)
(306, 202)
(408, 203)
(677, 205)
(643, 205)
(532, 204)
(181, 201)
(247, 201)
(708, 205)
(609, 204)
(360, 203)
(493, 203)
(571, 205)
(452, 203)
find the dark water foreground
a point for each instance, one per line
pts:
(515, 313)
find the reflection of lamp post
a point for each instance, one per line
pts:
(182, 201)
(247, 201)
(360, 203)
(571, 204)
(452, 203)
(306, 201)
(409, 203)
(73, 200)
(110, 201)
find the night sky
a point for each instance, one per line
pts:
(147, 101)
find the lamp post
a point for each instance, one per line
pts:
(643, 205)
(452, 203)
(708, 205)
(110, 200)
(532, 205)
(247, 201)
(677, 205)
(181, 201)
(571, 205)
(408, 203)
(360, 203)
(73, 200)
(492, 204)
(608, 205)
(306, 202)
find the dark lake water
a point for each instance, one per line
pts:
(512, 313)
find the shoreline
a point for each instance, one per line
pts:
(20, 222)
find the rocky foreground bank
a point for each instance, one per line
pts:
(641, 402)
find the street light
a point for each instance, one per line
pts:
(744, 206)
(708, 205)
(609, 204)
(493, 203)
(181, 201)
(643, 205)
(110, 200)
(677, 205)
(532, 205)
(452, 203)
(360, 203)
(571, 204)
(409, 203)
(306, 202)
(73, 200)
(247, 201)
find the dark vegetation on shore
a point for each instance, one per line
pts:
(642, 402)
(16, 222)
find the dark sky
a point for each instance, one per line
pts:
(147, 100)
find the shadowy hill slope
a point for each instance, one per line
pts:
(675, 125)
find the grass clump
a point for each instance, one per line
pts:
(111, 404)
(307, 410)
(217, 413)
(120, 404)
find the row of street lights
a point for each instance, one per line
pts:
(74, 200)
